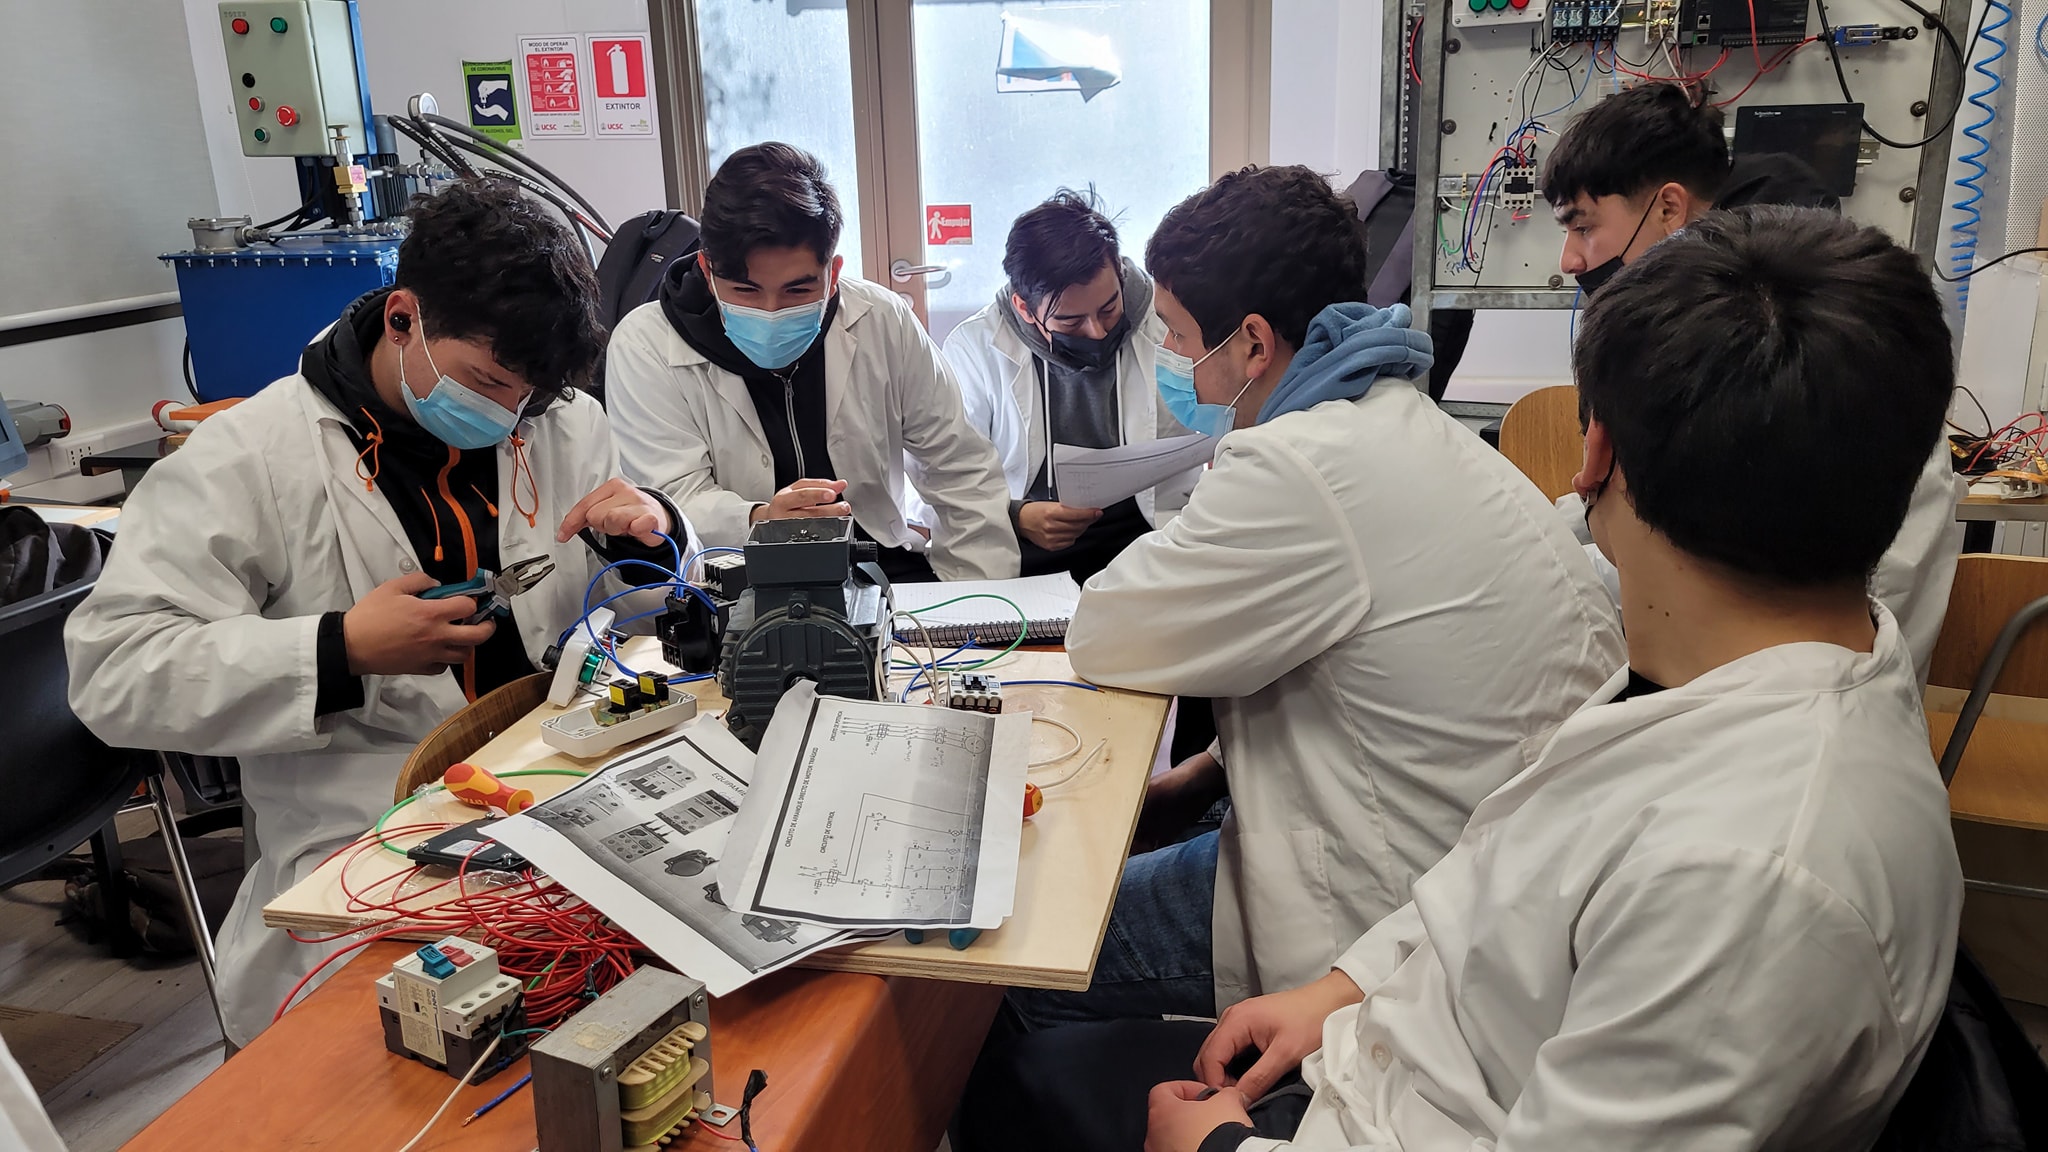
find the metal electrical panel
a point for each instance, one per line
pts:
(296, 76)
(1487, 86)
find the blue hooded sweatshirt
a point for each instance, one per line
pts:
(1349, 347)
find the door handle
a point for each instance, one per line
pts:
(901, 272)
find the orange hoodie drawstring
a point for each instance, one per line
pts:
(434, 515)
(488, 506)
(521, 464)
(376, 440)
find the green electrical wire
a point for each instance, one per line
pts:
(377, 829)
(1023, 625)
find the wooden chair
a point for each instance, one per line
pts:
(1996, 768)
(459, 736)
(1541, 436)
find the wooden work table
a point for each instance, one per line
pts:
(1072, 859)
(860, 1063)
(866, 1057)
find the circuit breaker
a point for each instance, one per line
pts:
(292, 65)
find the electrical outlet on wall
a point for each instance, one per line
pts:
(66, 453)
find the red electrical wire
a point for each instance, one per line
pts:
(1772, 65)
(1414, 39)
(1754, 51)
(562, 948)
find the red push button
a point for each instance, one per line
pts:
(287, 115)
(255, 103)
(240, 26)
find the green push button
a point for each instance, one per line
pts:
(1478, 5)
(277, 24)
(261, 136)
(1498, 5)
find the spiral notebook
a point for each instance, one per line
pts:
(1047, 603)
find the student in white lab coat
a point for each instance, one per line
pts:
(263, 600)
(1720, 909)
(1640, 165)
(1383, 608)
(765, 383)
(1064, 355)
(24, 1126)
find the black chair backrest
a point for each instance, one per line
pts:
(1981, 1087)
(640, 253)
(61, 783)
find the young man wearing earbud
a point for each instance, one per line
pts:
(264, 602)
(1382, 608)
(765, 383)
(1644, 163)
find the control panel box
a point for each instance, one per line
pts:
(293, 70)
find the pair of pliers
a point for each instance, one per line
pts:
(495, 590)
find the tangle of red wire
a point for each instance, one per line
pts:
(2012, 444)
(563, 949)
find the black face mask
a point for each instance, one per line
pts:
(1592, 278)
(1099, 354)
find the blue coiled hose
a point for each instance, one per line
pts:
(1963, 248)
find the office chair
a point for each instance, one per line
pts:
(62, 785)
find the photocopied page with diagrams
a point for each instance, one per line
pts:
(876, 815)
(641, 841)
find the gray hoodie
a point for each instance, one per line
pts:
(1081, 401)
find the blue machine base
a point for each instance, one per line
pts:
(250, 313)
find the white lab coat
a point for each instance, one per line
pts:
(200, 636)
(999, 386)
(1912, 578)
(1337, 581)
(1718, 916)
(690, 428)
(24, 1126)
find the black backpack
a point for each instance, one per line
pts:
(1385, 202)
(630, 273)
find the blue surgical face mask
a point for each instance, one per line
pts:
(459, 417)
(773, 340)
(1175, 376)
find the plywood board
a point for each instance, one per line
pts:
(1073, 850)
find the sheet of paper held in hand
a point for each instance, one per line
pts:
(1100, 477)
(874, 815)
(640, 840)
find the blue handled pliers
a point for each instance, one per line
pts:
(495, 590)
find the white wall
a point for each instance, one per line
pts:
(1326, 82)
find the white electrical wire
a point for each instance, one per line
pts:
(1077, 769)
(459, 1086)
(1063, 726)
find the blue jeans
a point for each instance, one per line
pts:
(1156, 957)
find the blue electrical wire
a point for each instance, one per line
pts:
(2041, 39)
(1963, 248)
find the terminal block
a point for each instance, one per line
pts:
(969, 692)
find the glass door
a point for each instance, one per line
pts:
(939, 121)
(782, 71)
(1017, 100)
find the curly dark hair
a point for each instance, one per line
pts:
(491, 264)
(1278, 242)
(1646, 137)
(1773, 381)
